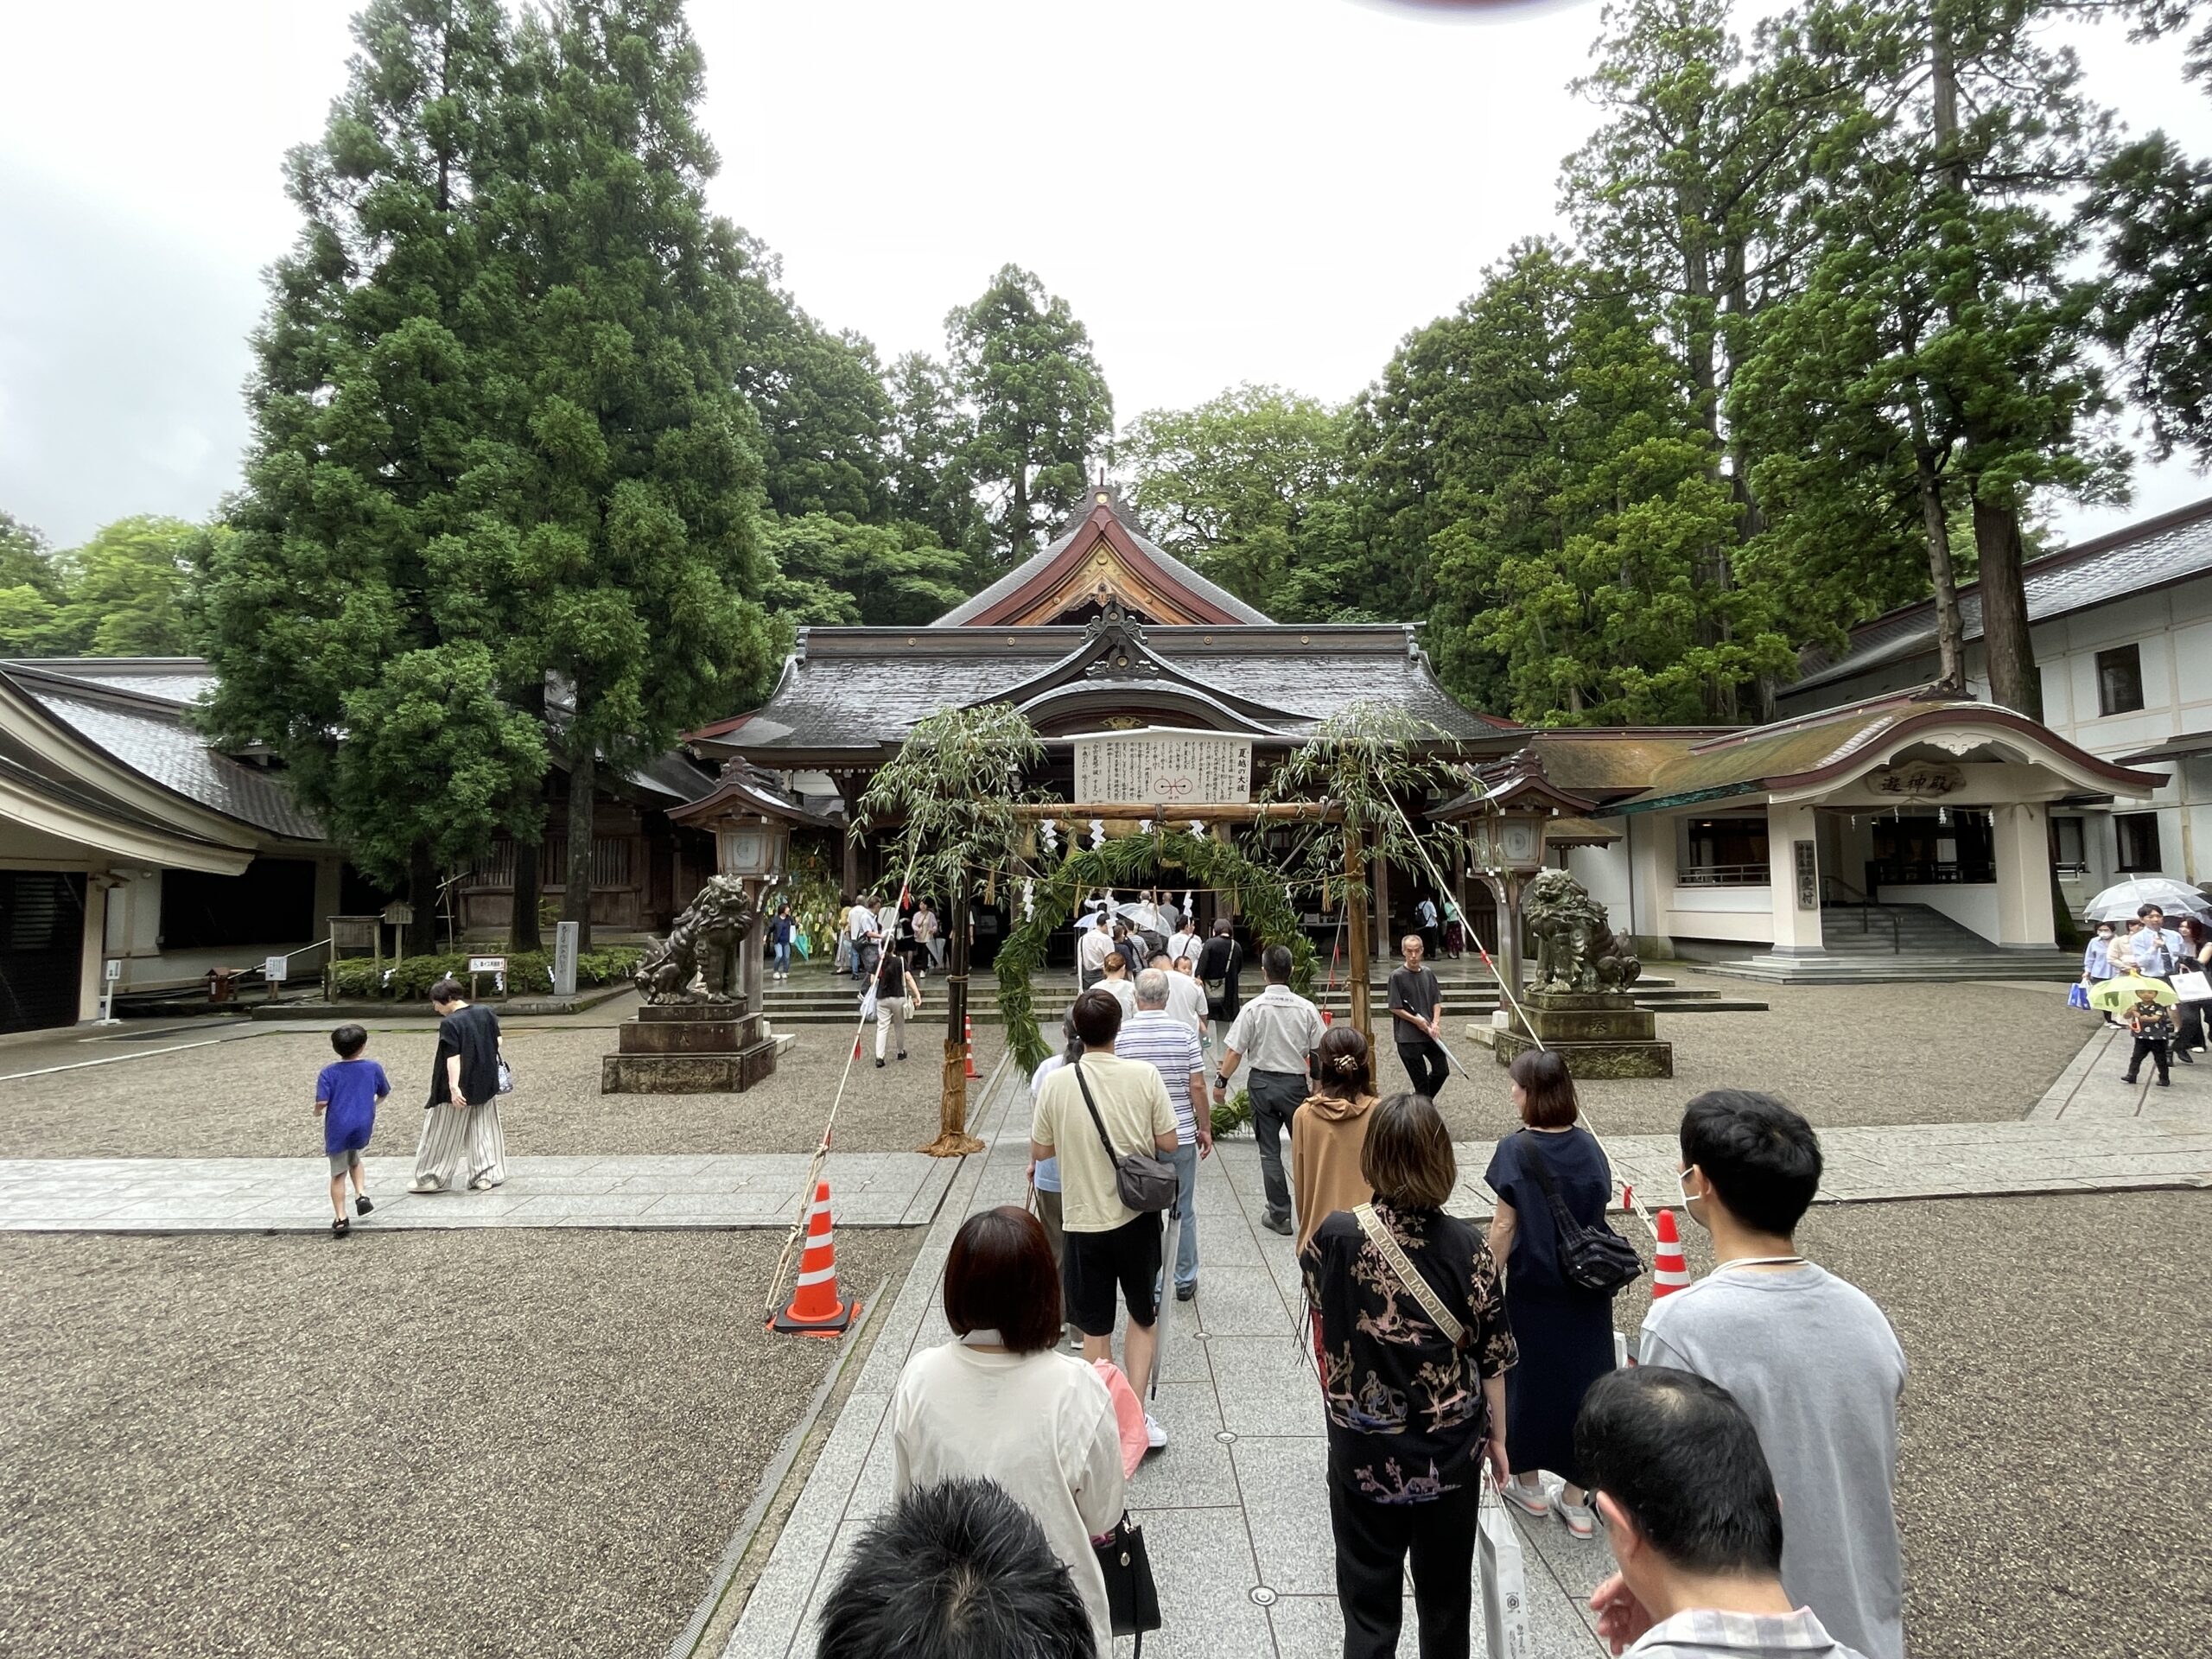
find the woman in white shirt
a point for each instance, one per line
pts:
(1000, 1402)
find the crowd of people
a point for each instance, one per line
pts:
(2143, 950)
(1741, 1475)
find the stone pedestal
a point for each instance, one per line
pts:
(688, 1048)
(1598, 1033)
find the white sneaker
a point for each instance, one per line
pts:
(1578, 1519)
(426, 1184)
(1154, 1436)
(1530, 1500)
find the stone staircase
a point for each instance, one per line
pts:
(1881, 943)
(811, 997)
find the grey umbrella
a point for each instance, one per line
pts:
(2123, 898)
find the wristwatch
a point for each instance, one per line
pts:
(1220, 1081)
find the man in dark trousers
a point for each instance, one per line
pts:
(1277, 1031)
(1417, 1019)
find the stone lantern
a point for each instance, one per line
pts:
(1508, 816)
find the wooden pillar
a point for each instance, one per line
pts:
(1384, 946)
(849, 790)
(1363, 1017)
(953, 1140)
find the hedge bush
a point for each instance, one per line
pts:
(530, 973)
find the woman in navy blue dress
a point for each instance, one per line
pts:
(1565, 1333)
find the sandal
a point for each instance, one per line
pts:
(341, 1227)
(362, 1205)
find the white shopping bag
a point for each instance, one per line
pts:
(867, 1001)
(1498, 1562)
(2192, 987)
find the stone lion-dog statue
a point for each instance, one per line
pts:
(1576, 949)
(704, 946)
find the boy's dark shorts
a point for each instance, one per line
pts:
(1093, 1264)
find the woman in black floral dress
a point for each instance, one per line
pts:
(1415, 1403)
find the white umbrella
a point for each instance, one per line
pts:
(2122, 900)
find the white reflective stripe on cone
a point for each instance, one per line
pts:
(820, 1275)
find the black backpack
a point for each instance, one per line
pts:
(1592, 1258)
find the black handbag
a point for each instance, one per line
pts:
(1592, 1258)
(1145, 1182)
(1131, 1597)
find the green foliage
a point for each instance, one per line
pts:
(1363, 762)
(929, 437)
(530, 973)
(950, 793)
(1036, 405)
(2154, 206)
(1245, 488)
(820, 398)
(833, 572)
(1233, 1113)
(1565, 569)
(370, 577)
(1121, 863)
(126, 593)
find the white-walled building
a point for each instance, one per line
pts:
(2122, 627)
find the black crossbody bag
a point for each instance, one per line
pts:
(1592, 1258)
(1145, 1182)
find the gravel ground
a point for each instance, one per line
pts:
(2053, 1507)
(1841, 1054)
(248, 1446)
(251, 1097)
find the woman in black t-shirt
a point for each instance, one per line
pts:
(462, 1142)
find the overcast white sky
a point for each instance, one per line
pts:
(1225, 190)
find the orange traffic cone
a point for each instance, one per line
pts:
(1669, 1272)
(970, 1045)
(815, 1309)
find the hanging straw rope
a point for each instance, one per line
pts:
(791, 1239)
(1628, 1192)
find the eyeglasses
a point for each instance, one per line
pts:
(1590, 1502)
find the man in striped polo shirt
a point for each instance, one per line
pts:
(1171, 1047)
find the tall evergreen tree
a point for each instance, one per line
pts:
(1686, 188)
(823, 411)
(1988, 119)
(637, 566)
(1037, 408)
(1245, 488)
(1566, 572)
(352, 615)
(928, 454)
(831, 572)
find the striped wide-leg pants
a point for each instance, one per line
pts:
(460, 1146)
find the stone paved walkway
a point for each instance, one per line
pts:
(256, 1195)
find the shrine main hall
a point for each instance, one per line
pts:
(1720, 844)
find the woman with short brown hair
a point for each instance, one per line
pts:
(1413, 1349)
(1566, 1333)
(1000, 1402)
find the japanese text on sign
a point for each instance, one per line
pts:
(1164, 768)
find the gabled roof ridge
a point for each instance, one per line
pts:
(1103, 516)
(2057, 559)
(1924, 694)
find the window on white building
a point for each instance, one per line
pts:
(2119, 680)
(2070, 847)
(2138, 834)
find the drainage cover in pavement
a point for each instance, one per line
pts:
(1264, 1596)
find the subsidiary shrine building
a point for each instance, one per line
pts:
(1727, 844)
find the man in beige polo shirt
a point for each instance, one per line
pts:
(1106, 1244)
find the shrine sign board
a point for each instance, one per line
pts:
(1164, 766)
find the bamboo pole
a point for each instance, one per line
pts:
(1356, 936)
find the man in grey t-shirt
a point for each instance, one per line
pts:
(1809, 1356)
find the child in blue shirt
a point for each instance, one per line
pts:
(346, 1098)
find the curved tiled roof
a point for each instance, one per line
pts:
(964, 613)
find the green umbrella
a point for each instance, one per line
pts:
(2118, 996)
